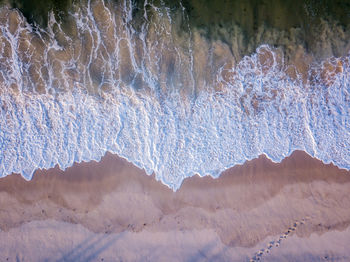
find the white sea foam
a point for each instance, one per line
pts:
(259, 108)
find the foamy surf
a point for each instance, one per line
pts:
(171, 103)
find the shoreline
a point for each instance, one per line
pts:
(57, 168)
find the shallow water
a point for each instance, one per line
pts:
(145, 83)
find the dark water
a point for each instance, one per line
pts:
(220, 19)
(36, 11)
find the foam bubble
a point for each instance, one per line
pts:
(140, 109)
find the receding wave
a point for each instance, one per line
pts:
(171, 102)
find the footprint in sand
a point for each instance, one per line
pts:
(258, 255)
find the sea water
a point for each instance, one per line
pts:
(171, 102)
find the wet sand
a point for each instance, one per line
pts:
(297, 210)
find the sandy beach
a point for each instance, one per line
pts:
(297, 210)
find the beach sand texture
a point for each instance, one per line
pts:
(297, 210)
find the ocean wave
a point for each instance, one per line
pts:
(172, 104)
